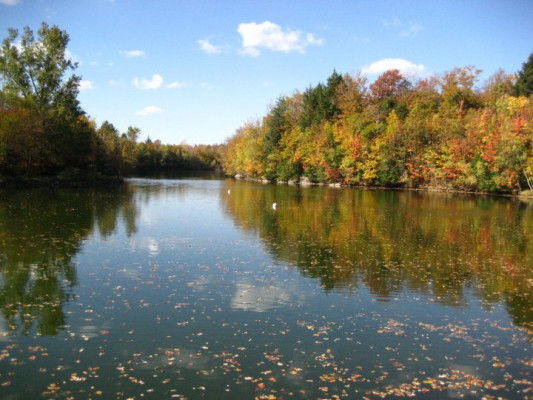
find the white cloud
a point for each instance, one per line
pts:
(208, 47)
(407, 68)
(71, 57)
(272, 37)
(250, 51)
(411, 29)
(405, 29)
(150, 110)
(133, 53)
(361, 39)
(249, 297)
(86, 85)
(258, 297)
(116, 82)
(176, 85)
(156, 82)
(394, 22)
(9, 2)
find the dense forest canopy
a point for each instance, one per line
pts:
(44, 132)
(440, 132)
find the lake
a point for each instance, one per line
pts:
(199, 288)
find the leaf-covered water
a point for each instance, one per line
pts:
(201, 289)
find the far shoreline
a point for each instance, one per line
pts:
(54, 182)
(525, 194)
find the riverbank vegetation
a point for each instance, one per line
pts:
(440, 132)
(45, 135)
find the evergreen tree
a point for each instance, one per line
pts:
(524, 84)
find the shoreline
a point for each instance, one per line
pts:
(59, 183)
(7, 184)
(526, 194)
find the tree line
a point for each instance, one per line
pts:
(437, 132)
(44, 132)
(441, 131)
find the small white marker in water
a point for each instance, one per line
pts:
(229, 191)
(274, 206)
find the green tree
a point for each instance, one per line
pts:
(524, 84)
(319, 103)
(109, 152)
(35, 69)
(276, 123)
(40, 101)
(128, 147)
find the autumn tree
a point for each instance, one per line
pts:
(385, 92)
(458, 87)
(351, 94)
(497, 85)
(388, 84)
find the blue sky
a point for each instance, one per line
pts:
(195, 71)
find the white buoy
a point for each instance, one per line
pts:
(229, 191)
(274, 206)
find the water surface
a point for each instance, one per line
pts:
(194, 288)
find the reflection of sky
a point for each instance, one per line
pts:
(153, 247)
(3, 330)
(260, 298)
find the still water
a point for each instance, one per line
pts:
(199, 288)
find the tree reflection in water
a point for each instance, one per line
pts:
(41, 231)
(432, 243)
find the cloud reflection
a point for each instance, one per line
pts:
(260, 298)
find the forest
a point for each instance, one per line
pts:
(45, 134)
(442, 132)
